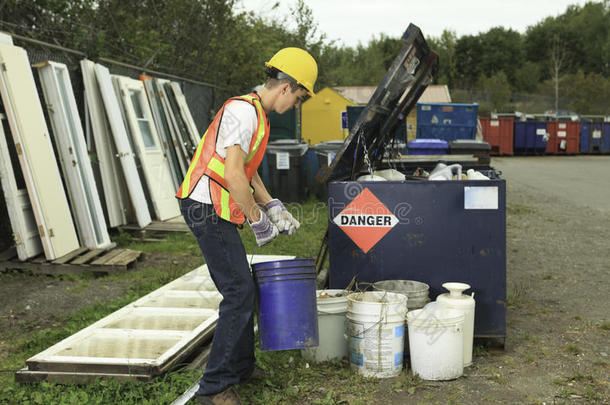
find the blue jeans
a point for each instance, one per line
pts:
(232, 356)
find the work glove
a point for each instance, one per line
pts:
(264, 230)
(281, 217)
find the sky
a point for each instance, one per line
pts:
(356, 21)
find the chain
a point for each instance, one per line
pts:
(367, 160)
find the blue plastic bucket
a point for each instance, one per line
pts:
(287, 316)
(284, 266)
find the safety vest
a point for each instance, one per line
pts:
(209, 163)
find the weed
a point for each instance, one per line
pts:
(559, 381)
(577, 317)
(529, 358)
(573, 349)
(566, 392)
(500, 379)
(547, 277)
(519, 209)
(516, 293)
(480, 351)
(605, 326)
(601, 363)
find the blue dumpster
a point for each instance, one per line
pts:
(584, 136)
(530, 137)
(447, 121)
(596, 137)
(606, 138)
(429, 231)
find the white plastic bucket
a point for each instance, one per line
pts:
(416, 291)
(436, 342)
(332, 306)
(376, 330)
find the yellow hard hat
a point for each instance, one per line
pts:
(298, 64)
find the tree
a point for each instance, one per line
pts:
(468, 49)
(497, 88)
(445, 46)
(527, 77)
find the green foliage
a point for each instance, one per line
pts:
(498, 89)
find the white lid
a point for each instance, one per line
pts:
(455, 298)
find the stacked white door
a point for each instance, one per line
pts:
(23, 223)
(35, 152)
(115, 190)
(186, 113)
(126, 156)
(146, 142)
(72, 149)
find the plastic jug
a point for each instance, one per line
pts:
(444, 172)
(370, 177)
(390, 174)
(472, 174)
(464, 303)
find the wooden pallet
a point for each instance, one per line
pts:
(79, 261)
(157, 226)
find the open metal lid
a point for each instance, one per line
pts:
(396, 95)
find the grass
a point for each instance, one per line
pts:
(519, 209)
(573, 349)
(171, 258)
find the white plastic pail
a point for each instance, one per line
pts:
(436, 342)
(376, 328)
(332, 305)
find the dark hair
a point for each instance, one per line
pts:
(275, 77)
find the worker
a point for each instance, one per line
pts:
(221, 190)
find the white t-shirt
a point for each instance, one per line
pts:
(237, 126)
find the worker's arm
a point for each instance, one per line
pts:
(261, 195)
(237, 182)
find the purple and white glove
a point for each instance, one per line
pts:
(264, 230)
(281, 217)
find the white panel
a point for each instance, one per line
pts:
(37, 159)
(72, 149)
(126, 156)
(6, 38)
(23, 223)
(163, 131)
(146, 142)
(183, 153)
(480, 198)
(113, 183)
(186, 113)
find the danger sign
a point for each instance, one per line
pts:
(366, 220)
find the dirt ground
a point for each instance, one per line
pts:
(558, 270)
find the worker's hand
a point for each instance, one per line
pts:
(281, 217)
(264, 230)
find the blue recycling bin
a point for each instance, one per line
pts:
(447, 121)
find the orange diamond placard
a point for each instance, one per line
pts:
(366, 220)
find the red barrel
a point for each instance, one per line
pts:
(498, 132)
(563, 137)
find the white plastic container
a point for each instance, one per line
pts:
(464, 303)
(416, 291)
(332, 306)
(444, 172)
(390, 174)
(376, 330)
(436, 342)
(370, 177)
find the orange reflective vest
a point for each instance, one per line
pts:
(209, 163)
